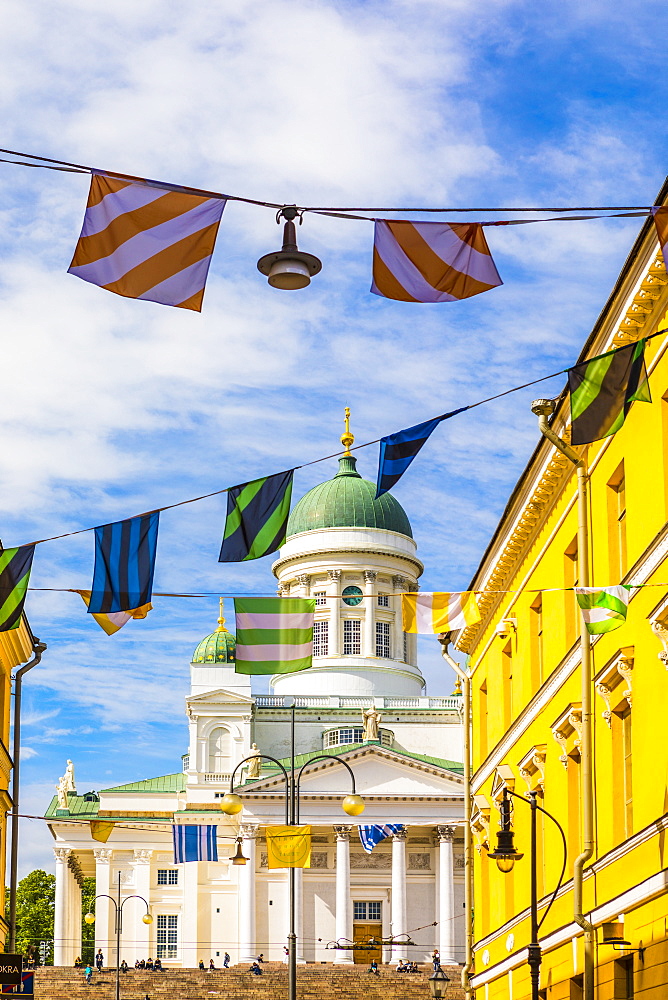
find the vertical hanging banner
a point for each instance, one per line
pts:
(257, 518)
(124, 564)
(15, 566)
(397, 451)
(149, 242)
(435, 613)
(194, 843)
(431, 261)
(288, 846)
(603, 389)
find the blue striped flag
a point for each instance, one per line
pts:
(372, 835)
(194, 843)
(124, 564)
(397, 451)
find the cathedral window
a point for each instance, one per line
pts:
(320, 638)
(167, 935)
(383, 600)
(168, 876)
(219, 751)
(341, 737)
(320, 598)
(383, 639)
(352, 636)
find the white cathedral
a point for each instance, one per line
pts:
(355, 555)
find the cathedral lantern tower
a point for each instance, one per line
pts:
(355, 555)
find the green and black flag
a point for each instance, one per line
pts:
(602, 390)
(15, 566)
(257, 518)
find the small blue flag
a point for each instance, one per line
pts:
(194, 843)
(372, 835)
(397, 451)
(124, 564)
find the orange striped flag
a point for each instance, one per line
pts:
(661, 223)
(147, 242)
(431, 261)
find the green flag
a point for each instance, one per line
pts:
(602, 390)
(15, 566)
(274, 634)
(257, 518)
(603, 608)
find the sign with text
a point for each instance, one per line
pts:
(10, 969)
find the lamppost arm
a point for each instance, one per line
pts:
(264, 756)
(565, 846)
(323, 756)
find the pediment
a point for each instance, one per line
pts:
(378, 772)
(220, 696)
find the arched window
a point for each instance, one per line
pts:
(219, 751)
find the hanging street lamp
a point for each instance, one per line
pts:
(289, 267)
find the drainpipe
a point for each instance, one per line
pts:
(468, 837)
(37, 648)
(544, 408)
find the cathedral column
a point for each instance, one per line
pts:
(246, 889)
(334, 602)
(369, 646)
(446, 895)
(74, 915)
(399, 583)
(137, 930)
(344, 909)
(104, 921)
(299, 912)
(189, 931)
(304, 581)
(60, 943)
(399, 924)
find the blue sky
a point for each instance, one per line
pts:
(113, 407)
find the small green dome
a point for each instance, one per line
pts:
(348, 501)
(219, 647)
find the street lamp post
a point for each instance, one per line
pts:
(506, 855)
(232, 804)
(118, 925)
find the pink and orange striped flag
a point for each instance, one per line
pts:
(147, 242)
(661, 223)
(431, 261)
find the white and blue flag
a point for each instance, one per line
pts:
(372, 835)
(194, 843)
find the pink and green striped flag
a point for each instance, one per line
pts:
(274, 634)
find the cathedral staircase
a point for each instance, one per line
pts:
(314, 982)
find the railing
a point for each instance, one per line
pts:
(213, 778)
(338, 701)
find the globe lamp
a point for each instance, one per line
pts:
(90, 918)
(231, 804)
(147, 918)
(353, 805)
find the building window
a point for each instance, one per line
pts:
(507, 677)
(352, 637)
(320, 598)
(219, 751)
(383, 600)
(353, 734)
(166, 935)
(617, 524)
(536, 638)
(168, 876)
(570, 581)
(383, 639)
(367, 910)
(320, 638)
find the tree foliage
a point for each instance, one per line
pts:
(35, 905)
(88, 930)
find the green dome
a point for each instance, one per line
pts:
(219, 647)
(347, 501)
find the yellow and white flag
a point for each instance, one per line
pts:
(115, 620)
(434, 613)
(288, 847)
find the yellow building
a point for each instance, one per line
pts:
(529, 709)
(16, 647)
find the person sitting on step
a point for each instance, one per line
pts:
(255, 969)
(149, 964)
(373, 968)
(124, 966)
(201, 964)
(157, 965)
(400, 966)
(212, 967)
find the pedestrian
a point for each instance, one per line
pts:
(99, 960)
(226, 961)
(373, 968)
(201, 964)
(88, 975)
(286, 953)
(212, 967)
(436, 959)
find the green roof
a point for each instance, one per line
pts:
(348, 501)
(166, 783)
(76, 806)
(300, 759)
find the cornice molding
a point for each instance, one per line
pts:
(316, 555)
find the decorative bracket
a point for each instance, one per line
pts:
(567, 731)
(532, 769)
(620, 668)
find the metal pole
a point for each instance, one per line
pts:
(534, 956)
(38, 649)
(119, 920)
(292, 935)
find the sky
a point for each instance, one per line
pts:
(111, 407)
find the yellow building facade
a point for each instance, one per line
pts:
(527, 697)
(16, 647)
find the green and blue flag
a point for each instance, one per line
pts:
(603, 389)
(15, 566)
(257, 517)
